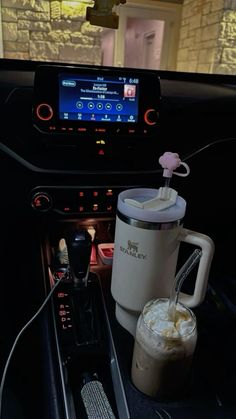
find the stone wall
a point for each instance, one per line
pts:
(50, 30)
(208, 37)
(56, 30)
(226, 62)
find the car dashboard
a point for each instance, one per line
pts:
(63, 169)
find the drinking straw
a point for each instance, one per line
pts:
(179, 279)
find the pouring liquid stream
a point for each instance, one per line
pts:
(179, 279)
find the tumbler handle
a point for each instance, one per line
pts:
(207, 246)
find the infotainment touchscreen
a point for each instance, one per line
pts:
(99, 98)
(88, 103)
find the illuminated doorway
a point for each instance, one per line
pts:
(147, 37)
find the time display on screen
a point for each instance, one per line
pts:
(98, 98)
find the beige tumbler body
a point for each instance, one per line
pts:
(145, 258)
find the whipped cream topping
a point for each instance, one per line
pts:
(156, 318)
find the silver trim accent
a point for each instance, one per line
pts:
(120, 396)
(218, 400)
(146, 224)
(69, 413)
(167, 414)
(48, 279)
(159, 414)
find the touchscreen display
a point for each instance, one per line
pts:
(99, 98)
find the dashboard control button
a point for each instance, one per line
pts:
(44, 112)
(81, 208)
(151, 117)
(41, 201)
(67, 209)
(101, 152)
(109, 192)
(81, 194)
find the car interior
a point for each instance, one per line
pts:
(62, 171)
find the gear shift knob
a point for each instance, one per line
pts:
(79, 244)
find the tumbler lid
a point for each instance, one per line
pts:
(126, 205)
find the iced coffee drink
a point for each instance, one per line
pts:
(163, 350)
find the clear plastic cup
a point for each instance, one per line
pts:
(163, 350)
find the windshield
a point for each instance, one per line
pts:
(195, 36)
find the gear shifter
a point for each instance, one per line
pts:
(79, 245)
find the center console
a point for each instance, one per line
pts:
(81, 325)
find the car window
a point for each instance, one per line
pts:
(178, 35)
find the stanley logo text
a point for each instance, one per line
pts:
(132, 250)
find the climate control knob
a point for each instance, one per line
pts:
(44, 112)
(151, 116)
(41, 201)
